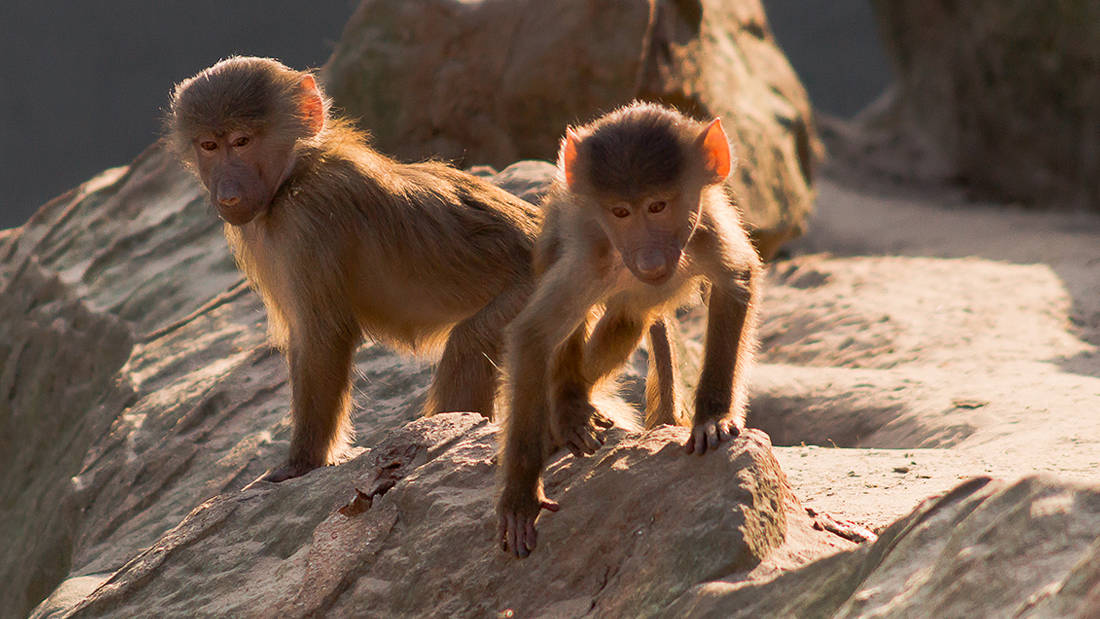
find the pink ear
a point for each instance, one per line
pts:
(715, 150)
(312, 106)
(569, 158)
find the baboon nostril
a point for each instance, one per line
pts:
(651, 264)
(229, 193)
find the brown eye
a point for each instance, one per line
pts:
(241, 141)
(657, 207)
(208, 145)
(620, 212)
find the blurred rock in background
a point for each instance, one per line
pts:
(1001, 95)
(493, 82)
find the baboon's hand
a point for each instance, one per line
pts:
(710, 433)
(580, 427)
(517, 513)
(288, 471)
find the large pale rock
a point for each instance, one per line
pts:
(420, 538)
(87, 283)
(58, 361)
(986, 549)
(493, 81)
(930, 338)
(1006, 92)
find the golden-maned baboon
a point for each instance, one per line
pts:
(341, 241)
(637, 223)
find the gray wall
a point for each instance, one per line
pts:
(835, 48)
(83, 83)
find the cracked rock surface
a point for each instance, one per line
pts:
(422, 546)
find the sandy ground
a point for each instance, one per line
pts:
(930, 339)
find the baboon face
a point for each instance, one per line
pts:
(650, 232)
(643, 170)
(237, 123)
(243, 170)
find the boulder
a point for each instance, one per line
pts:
(529, 179)
(919, 338)
(986, 548)
(58, 363)
(490, 82)
(408, 529)
(1005, 92)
